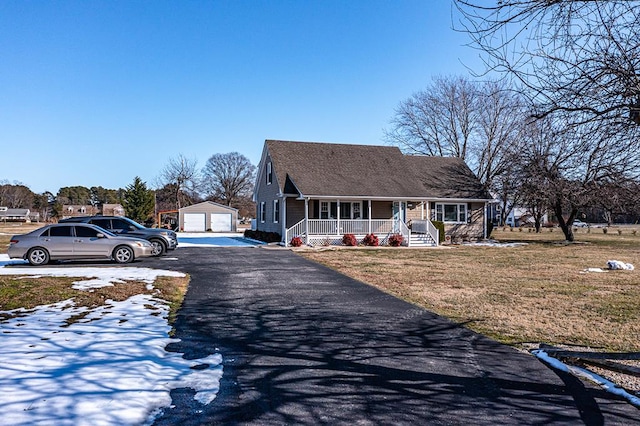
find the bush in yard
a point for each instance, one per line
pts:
(396, 240)
(296, 242)
(349, 240)
(370, 240)
(439, 225)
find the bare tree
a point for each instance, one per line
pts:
(575, 56)
(567, 165)
(476, 121)
(182, 174)
(436, 121)
(228, 177)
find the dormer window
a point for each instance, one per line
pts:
(269, 174)
(83, 209)
(70, 209)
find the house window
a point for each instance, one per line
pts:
(269, 173)
(356, 211)
(451, 213)
(83, 209)
(263, 211)
(324, 210)
(276, 211)
(345, 210)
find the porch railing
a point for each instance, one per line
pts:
(426, 227)
(351, 226)
(338, 227)
(334, 229)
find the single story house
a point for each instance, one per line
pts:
(321, 191)
(76, 210)
(16, 215)
(208, 217)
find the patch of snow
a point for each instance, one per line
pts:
(99, 276)
(493, 243)
(108, 368)
(66, 365)
(593, 270)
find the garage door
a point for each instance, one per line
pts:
(221, 222)
(194, 222)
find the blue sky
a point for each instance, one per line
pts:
(94, 93)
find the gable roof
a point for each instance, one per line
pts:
(205, 204)
(342, 170)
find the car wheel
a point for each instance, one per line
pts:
(158, 248)
(38, 256)
(123, 254)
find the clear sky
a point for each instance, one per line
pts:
(94, 93)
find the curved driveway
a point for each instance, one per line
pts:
(303, 344)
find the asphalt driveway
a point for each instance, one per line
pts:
(303, 344)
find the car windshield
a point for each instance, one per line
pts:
(134, 223)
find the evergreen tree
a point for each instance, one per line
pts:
(138, 201)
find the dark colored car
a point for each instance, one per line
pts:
(161, 239)
(68, 241)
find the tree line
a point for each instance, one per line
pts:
(551, 121)
(225, 178)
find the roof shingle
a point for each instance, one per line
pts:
(342, 170)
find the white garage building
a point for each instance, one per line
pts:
(208, 217)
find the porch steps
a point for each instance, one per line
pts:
(421, 240)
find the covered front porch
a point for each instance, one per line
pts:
(325, 222)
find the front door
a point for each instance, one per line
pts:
(399, 214)
(399, 210)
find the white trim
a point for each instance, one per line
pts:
(306, 221)
(263, 212)
(376, 198)
(458, 210)
(275, 217)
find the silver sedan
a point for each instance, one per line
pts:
(75, 241)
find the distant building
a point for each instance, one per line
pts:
(75, 210)
(16, 215)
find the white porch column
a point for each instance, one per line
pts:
(484, 220)
(369, 216)
(306, 221)
(338, 218)
(283, 216)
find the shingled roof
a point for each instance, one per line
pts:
(446, 177)
(342, 170)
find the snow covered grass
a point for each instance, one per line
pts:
(536, 292)
(93, 354)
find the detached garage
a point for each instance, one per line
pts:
(208, 217)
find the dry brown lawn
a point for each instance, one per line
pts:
(534, 293)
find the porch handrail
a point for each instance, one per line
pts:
(295, 231)
(405, 231)
(426, 227)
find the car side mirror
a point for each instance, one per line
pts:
(132, 228)
(100, 235)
